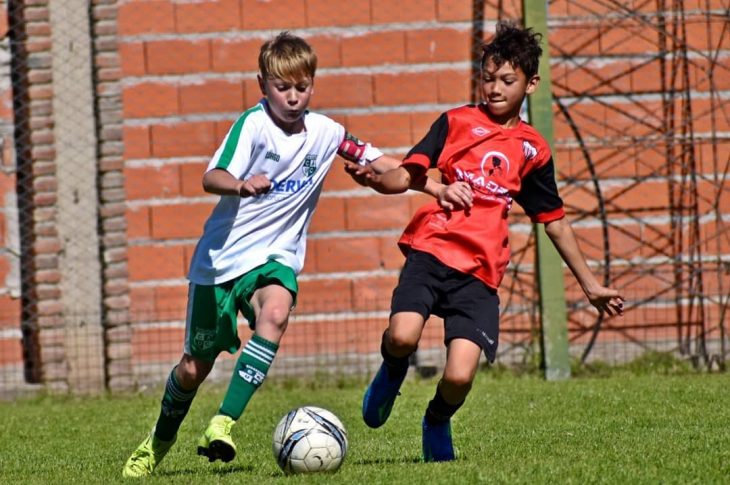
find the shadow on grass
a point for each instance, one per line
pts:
(389, 461)
(224, 470)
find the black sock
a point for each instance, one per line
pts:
(439, 411)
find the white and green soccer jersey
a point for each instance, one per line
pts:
(243, 233)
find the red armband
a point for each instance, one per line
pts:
(356, 151)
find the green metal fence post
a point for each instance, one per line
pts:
(553, 315)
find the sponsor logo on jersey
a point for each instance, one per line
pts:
(290, 186)
(488, 189)
(310, 165)
(494, 164)
(480, 131)
(272, 156)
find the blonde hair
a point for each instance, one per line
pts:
(287, 57)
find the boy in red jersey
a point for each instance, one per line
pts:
(457, 247)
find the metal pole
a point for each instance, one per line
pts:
(553, 314)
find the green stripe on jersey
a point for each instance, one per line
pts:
(232, 141)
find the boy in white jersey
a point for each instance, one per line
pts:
(269, 172)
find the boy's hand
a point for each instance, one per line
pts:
(258, 184)
(359, 173)
(393, 181)
(606, 300)
(456, 196)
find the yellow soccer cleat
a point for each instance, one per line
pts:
(216, 443)
(147, 456)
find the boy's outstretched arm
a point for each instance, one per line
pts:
(363, 172)
(386, 175)
(604, 299)
(221, 182)
(381, 164)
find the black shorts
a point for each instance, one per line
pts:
(470, 308)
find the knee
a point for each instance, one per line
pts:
(275, 315)
(459, 381)
(401, 343)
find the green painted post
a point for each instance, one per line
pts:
(553, 314)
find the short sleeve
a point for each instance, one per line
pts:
(539, 196)
(426, 152)
(234, 153)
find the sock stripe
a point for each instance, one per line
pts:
(175, 404)
(259, 357)
(177, 392)
(264, 345)
(259, 353)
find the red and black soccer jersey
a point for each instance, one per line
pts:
(501, 165)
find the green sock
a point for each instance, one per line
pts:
(248, 375)
(175, 405)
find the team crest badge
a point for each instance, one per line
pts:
(204, 339)
(310, 165)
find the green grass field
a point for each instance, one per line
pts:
(625, 428)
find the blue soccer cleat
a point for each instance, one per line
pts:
(437, 445)
(381, 394)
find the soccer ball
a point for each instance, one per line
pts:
(309, 439)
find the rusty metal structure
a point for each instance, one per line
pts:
(643, 109)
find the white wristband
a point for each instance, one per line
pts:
(371, 154)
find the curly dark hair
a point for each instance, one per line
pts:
(516, 45)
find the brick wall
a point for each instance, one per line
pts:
(112, 196)
(33, 171)
(34, 249)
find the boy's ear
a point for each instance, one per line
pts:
(532, 84)
(261, 84)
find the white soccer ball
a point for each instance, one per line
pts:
(309, 439)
